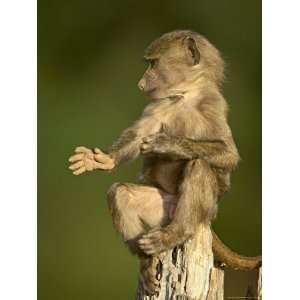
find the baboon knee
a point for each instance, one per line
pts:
(111, 193)
(117, 196)
(124, 216)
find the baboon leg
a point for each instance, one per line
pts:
(137, 208)
(197, 200)
(197, 203)
(198, 193)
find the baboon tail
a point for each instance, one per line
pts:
(232, 259)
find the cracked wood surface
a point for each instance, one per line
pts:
(259, 284)
(188, 272)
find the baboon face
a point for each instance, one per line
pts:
(170, 66)
(177, 60)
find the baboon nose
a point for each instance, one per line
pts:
(142, 84)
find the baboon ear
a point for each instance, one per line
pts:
(192, 50)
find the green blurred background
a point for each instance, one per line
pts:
(89, 62)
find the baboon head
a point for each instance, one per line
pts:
(177, 61)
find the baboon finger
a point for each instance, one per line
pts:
(104, 166)
(82, 149)
(145, 148)
(98, 151)
(102, 158)
(76, 157)
(79, 171)
(76, 165)
(150, 138)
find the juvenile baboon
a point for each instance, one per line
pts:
(188, 152)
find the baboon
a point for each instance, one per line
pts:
(188, 151)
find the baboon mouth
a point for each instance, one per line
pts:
(150, 91)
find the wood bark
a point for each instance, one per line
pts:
(259, 284)
(188, 272)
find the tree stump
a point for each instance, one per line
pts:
(259, 284)
(188, 272)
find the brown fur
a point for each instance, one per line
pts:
(187, 145)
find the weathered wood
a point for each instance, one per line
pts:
(216, 287)
(188, 272)
(259, 284)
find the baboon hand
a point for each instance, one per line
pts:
(153, 242)
(159, 143)
(85, 159)
(105, 161)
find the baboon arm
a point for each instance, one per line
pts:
(218, 153)
(127, 146)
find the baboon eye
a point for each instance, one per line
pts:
(152, 62)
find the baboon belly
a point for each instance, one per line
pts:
(166, 174)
